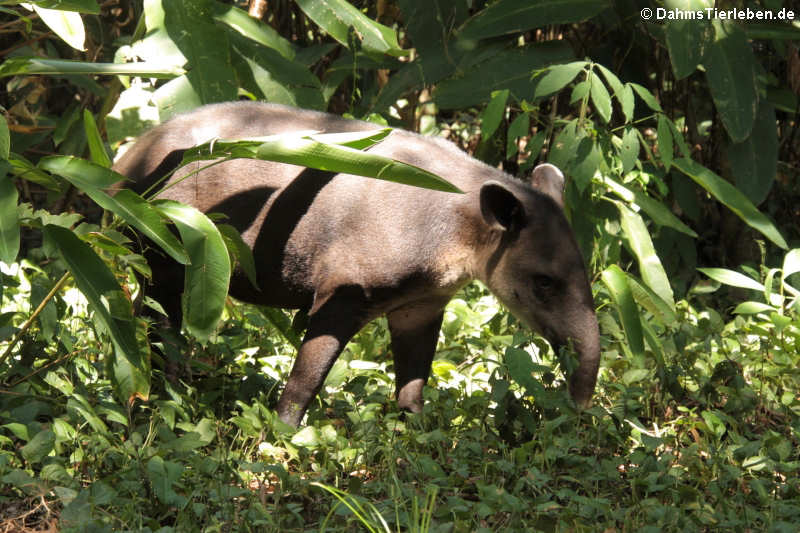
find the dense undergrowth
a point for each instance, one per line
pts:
(708, 442)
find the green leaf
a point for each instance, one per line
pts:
(520, 127)
(665, 148)
(514, 16)
(82, 6)
(129, 206)
(96, 148)
(732, 198)
(307, 152)
(626, 101)
(162, 476)
(641, 245)
(617, 283)
(5, 139)
(234, 242)
(506, 69)
(751, 308)
(580, 91)
(66, 24)
(629, 151)
(733, 278)
(656, 210)
(521, 368)
(253, 29)
(39, 446)
(279, 79)
(9, 221)
(686, 41)
(651, 301)
(79, 404)
(730, 71)
(791, 264)
(112, 311)
(557, 77)
(339, 18)
(772, 30)
(646, 96)
(208, 275)
(493, 115)
(622, 93)
(23, 66)
(600, 97)
(754, 161)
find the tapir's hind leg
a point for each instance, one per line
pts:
(329, 329)
(415, 331)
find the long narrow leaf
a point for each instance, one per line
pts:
(660, 214)
(617, 283)
(641, 244)
(96, 148)
(310, 153)
(733, 278)
(113, 310)
(732, 198)
(208, 275)
(126, 204)
(21, 66)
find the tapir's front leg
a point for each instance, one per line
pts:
(415, 331)
(329, 330)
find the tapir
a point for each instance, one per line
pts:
(348, 249)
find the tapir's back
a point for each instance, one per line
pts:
(307, 226)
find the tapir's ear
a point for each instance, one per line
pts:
(500, 208)
(548, 179)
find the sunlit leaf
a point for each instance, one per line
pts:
(733, 278)
(617, 283)
(208, 275)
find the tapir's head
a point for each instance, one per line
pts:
(534, 267)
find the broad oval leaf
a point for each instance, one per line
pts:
(557, 77)
(207, 277)
(730, 71)
(686, 41)
(617, 283)
(665, 146)
(600, 98)
(732, 198)
(754, 161)
(733, 278)
(647, 96)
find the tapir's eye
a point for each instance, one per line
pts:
(544, 285)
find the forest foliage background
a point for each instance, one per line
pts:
(680, 142)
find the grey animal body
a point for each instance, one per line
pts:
(348, 249)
